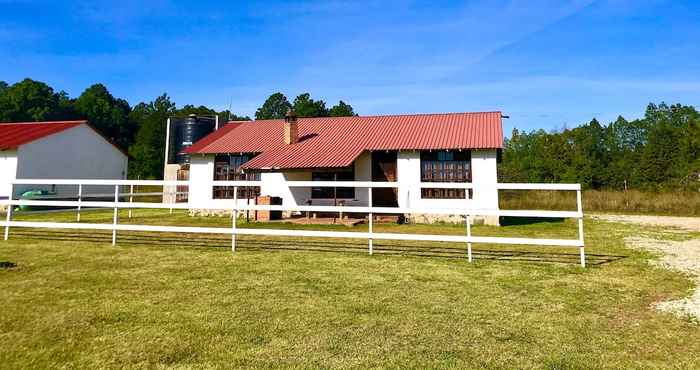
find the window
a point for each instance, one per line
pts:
(333, 193)
(445, 166)
(227, 168)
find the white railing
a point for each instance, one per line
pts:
(116, 202)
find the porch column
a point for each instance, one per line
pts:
(484, 177)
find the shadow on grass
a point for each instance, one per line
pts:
(7, 265)
(520, 221)
(417, 249)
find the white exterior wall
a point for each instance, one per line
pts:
(8, 171)
(201, 176)
(484, 176)
(76, 153)
(201, 190)
(273, 185)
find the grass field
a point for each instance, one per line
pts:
(627, 202)
(71, 300)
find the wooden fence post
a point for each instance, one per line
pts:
(80, 200)
(131, 198)
(469, 226)
(371, 241)
(579, 204)
(469, 238)
(116, 215)
(9, 212)
(234, 216)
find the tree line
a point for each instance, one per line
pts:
(277, 105)
(140, 129)
(660, 151)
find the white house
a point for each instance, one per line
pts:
(408, 149)
(56, 150)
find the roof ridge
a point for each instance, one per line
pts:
(20, 133)
(376, 115)
(413, 114)
(43, 122)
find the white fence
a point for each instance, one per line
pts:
(125, 200)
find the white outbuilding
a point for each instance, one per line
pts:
(56, 150)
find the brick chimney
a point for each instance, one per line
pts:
(291, 128)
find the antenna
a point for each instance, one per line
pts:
(230, 103)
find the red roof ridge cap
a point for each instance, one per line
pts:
(417, 114)
(45, 122)
(375, 116)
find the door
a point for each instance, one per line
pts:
(384, 169)
(182, 193)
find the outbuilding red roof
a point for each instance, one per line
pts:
(338, 141)
(12, 135)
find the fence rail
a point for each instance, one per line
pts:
(118, 202)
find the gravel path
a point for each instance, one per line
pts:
(685, 223)
(682, 256)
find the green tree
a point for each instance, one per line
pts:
(660, 151)
(191, 109)
(304, 106)
(671, 150)
(148, 150)
(224, 116)
(107, 114)
(587, 155)
(275, 107)
(341, 110)
(658, 155)
(623, 143)
(30, 100)
(227, 115)
(511, 168)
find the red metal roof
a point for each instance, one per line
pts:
(337, 141)
(12, 135)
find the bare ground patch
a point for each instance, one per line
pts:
(683, 256)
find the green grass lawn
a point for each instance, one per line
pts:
(175, 301)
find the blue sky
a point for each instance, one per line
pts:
(547, 64)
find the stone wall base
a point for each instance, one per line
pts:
(414, 219)
(226, 213)
(213, 213)
(422, 218)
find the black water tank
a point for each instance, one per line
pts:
(184, 132)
